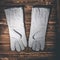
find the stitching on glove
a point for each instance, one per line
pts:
(34, 35)
(18, 33)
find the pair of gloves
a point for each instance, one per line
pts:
(15, 21)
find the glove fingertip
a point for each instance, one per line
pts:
(12, 49)
(23, 48)
(18, 50)
(37, 49)
(42, 49)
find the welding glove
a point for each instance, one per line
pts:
(15, 23)
(39, 21)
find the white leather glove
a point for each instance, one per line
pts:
(39, 22)
(15, 23)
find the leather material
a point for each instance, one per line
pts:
(39, 21)
(15, 23)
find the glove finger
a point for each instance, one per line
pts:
(42, 42)
(24, 40)
(12, 43)
(37, 45)
(17, 46)
(21, 44)
(34, 45)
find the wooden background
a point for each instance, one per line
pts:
(28, 54)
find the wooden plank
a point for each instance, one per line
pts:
(27, 53)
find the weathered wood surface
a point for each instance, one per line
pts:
(48, 53)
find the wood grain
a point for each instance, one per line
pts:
(48, 53)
